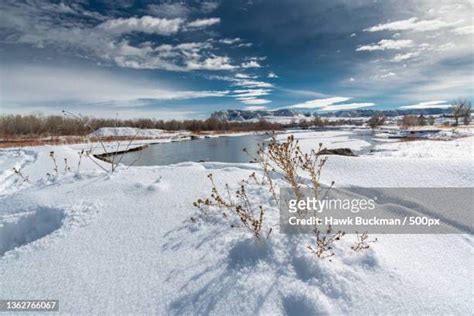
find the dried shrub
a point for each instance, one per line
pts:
(250, 217)
(53, 158)
(81, 154)
(362, 242)
(287, 161)
(408, 121)
(324, 242)
(284, 160)
(263, 160)
(66, 167)
(20, 174)
(109, 156)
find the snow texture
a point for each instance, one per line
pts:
(124, 243)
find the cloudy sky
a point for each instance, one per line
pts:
(186, 59)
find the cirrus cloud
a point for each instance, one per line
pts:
(145, 24)
(412, 24)
(203, 22)
(386, 44)
(251, 64)
(254, 101)
(427, 105)
(41, 84)
(403, 57)
(319, 103)
(255, 108)
(347, 106)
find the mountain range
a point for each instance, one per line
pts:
(244, 115)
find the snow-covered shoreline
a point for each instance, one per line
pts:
(124, 243)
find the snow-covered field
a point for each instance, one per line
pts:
(456, 148)
(329, 139)
(135, 132)
(124, 243)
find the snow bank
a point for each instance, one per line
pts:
(329, 139)
(24, 229)
(456, 148)
(128, 132)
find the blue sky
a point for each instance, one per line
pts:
(186, 59)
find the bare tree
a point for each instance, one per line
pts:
(431, 120)
(467, 112)
(408, 121)
(376, 120)
(421, 120)
(462, 108)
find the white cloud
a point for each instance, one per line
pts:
(347, 106)
(242, 76)
(181, 57)
(177, 9)
(319, 103)
(448, 85)
(145, 24)
(181, 9)
(199, 23)
(254, 101)
(35, 84)
(244, 82)
(251, 96)
(251, 64)
(111, 41)
(435, 66)
(211, 63)
(230, 41)
(246, 93)
(153, 25)
(353, 35)
(403, 57)
(427, 105)
(464, 30)
(249, 83)
(412, 24)
(255, 108)
(245, 45)
(386, 44)
(271, 74)
(209, 6)
(304, 93)
(387, 75)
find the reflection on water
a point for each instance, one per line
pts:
(222, 149)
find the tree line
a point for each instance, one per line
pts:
(35, 125)
(58, 125)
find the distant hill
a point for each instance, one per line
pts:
(244, 115)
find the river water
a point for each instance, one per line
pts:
(220, 149)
